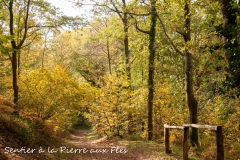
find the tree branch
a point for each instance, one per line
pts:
(9, 55)
(139, 29)
(116, 10)
(181, 33)
(30, 42)
(25, 25)
(40, 26)
(10, 8)
(5, 4)
(111, 9)
(169, 39)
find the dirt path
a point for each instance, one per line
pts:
(89, 147)
(86, 144)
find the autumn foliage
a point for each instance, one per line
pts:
(103, 73)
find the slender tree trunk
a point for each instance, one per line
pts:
(127, 52)
(126, 42)
(15, 59)
(127, 61)
(14, 76)
(43, 55)
(151, 57)
(191, 100)
(109, 58)
(18, 62)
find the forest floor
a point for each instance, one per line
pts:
(22, 139)
(88, 146)
(84, 144)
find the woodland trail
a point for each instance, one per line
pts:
(90, 143)
(113, 150)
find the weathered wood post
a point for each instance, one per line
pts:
(219, 143)
(166, 140)
(185, 143)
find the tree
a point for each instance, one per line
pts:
(109, 113)
(54, 95)
(190, 98)
(26, 20)
(17, 45)
(188, 69)
(151, 48)
(121, 9)
(98, 52)
(104, 40)
(230, 33)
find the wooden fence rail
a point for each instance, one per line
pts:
(184, 142)
(218, 134)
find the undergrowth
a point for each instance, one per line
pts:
(17, 132)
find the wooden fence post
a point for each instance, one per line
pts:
(219, 143)
(185, 143)
(167, 141)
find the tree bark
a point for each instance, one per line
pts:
(151, 57)
(151, 49)
(231, 43)
(127, 60)
(109, 58)
(14, 60)
(14, 77)
(126, 42)
(190, 98)
(16, 46)
(229, 20)
(229, 14)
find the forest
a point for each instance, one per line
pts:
(124, 69)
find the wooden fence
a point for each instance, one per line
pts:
(218, 134)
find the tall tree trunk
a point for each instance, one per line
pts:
(124, 18)
(14, 76)
(14, 60)
(16, 47)
(230, 39)
(191, 100)
(229, 21)
(151, 57)
(18, 62)
(127, 60)
(126, 42)
(229, 16)
(109, 58)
